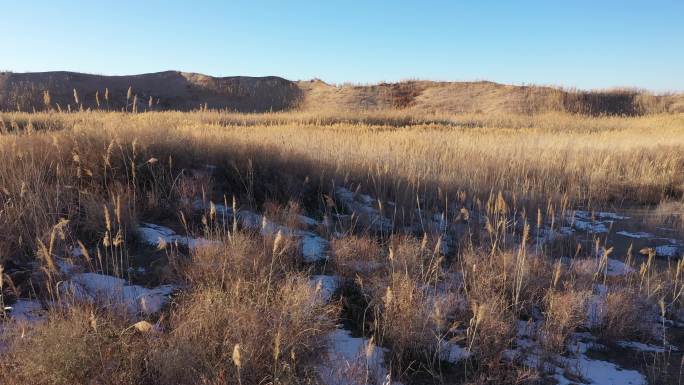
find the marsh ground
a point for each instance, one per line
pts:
(361, 247)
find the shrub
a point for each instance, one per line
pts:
(412, 320)
(564, 312)
(81, 345)
(277, 332)
(355, 254)
(624, 314)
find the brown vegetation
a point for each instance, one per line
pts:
(246, 312)
(173, 90)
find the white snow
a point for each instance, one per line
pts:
(255, 221)
(667, 251)
(366, 199)
(617, 268)
(599, 215)
(454, 353)
(639, 234)
(589, 226)
(159, 236)
(526, 329)
(595, 307)
(139, 270)
(205, 172)
(576, 362)
(548, 235)
(26, 310)
(439, 223)
(327, 284)
(640, 346)
(65, 266)
(154, 234)
(565, 230)
(599, 222)
(76, 252)
(597, 371)
(362, 205)
(307, 221)
(352, 361)
(313, 246)
(601, 373)
(613, 268)
(109, 290)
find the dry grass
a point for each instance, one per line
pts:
(277, 334)
(247, 313)
(565, 311)
(412, 321)
(247, 293)
(243, 294)
(78, 346)
(419, 96)
(52, 174)
(357, 255)
(625, 315)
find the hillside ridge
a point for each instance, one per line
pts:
(176, 90)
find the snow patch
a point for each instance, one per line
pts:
(454, 353)
(362, 205)
(598, 371)
(313, 246)
(667, 251)
(327, 284)
(159, 236)
(595, 307)
(349, 361)
(65, 266)
(603, 215)
(590, 227)
(26, 310)
(596, 222)
(642, 347)
(109, 290)
(617, 268)
(307, 221)
(76, 252)
(637, 235)
(576, 362)
(565, 369)
(548, 235)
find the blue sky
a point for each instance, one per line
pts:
(585, 44)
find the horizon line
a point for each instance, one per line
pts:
(379, 82)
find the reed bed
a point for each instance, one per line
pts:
(247, 313)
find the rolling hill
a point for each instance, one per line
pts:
(174, 90)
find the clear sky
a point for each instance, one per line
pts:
(574, 43)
